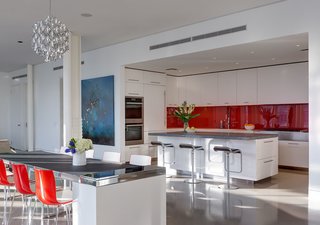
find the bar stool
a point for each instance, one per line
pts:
(164, 146)
(227, 151)
(193, 148)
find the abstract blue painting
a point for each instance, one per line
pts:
(97, 98)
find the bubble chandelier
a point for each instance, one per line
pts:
(50, 38)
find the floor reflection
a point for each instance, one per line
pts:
(281, 200)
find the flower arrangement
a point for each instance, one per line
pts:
(79, 145)
(184, 113)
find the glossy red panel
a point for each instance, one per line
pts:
(265, 117)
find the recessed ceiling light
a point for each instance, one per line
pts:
(86, 14)
(237, 63)
(298, 45)
(252, 52)
(20, 42)
(273, 59)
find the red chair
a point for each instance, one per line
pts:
(6, 184)
(46, 191)
(21, 179)
(4, 181)
(22, 182)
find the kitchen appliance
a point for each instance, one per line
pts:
(134, 110)
(134, 130)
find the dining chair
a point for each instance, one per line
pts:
(22, 183)
(140, 160)
(89, 153)
(113, 157)
(46, 192)
(6, 185)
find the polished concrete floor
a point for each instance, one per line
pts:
(281, 200)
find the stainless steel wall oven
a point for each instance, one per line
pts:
(134, 130)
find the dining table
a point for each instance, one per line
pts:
(104, 192)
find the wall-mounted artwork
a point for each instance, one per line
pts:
(97, 97)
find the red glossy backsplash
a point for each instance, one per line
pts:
(266, 117)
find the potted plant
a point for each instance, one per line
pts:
(184, 113)
(78, 147)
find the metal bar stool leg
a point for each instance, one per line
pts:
(227, 186)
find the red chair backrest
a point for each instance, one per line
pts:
(3, 174)
(21, 179)
(46, 187)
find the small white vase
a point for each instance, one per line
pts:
(79, 159)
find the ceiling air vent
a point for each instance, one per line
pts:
(181, 41)
(199, 37)
(219, 33)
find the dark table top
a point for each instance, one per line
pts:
(95, 170)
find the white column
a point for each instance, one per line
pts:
(30, 106)
(71, 90)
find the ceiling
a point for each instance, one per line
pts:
(113, 21)
(268, 52)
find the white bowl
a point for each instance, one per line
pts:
(249, 127)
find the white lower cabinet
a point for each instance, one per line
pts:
(266, 167)
(259, 157)
(294, 153)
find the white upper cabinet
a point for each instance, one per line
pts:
(283, 84)
(154, 78)
(172, 92)
(181, 84)
(209, 89)
(247, 87)
(202, 89)
(193, 90)
(154, 107)
(135, 76)
(227, 88)
(134, 89)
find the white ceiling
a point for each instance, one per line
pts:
(112, 21)
(268, 52)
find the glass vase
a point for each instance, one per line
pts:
(79, 159)
(185, 126)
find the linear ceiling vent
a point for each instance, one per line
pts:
(20, 76)
(199, 37)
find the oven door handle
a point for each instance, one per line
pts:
(134, 103)
(134, 125)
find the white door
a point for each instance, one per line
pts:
(19, 117)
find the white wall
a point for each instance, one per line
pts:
(5, 83)
(47, 106)
(276, 20)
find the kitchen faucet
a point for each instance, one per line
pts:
(228, 118)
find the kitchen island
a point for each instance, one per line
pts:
(106, 193)
(259, 151)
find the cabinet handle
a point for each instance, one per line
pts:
(155, 82)
(293, 143)
(209, 103)
(246, 102)
(226, 103)
(134, 147)
(267, 141)
(133, 93)
(133, 80)
(271, 160)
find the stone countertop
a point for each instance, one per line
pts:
(217, 135)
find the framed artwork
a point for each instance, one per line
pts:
(97, 102)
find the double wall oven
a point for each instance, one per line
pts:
(134, 120)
